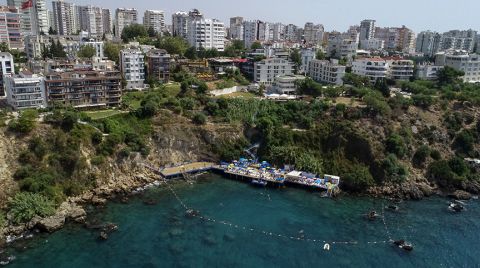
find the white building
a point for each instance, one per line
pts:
(124, 17)
(25, 91)
(428, 72)
(154, 19)
(373, 68)
(324, 71)
(206, 33)
(180, 24)
(132, 66)
(266, 70)
(6, 69)
(278, 32)
(462, 61)
(400, 69)
(64, 17)
(372, 44)
(250, 33)
(287, 84)
(307, 55)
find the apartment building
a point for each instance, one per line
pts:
(94, 20)
(158, 65)
(428, 43)
(10, 27)
(428, 71)
(64, 17)
(367, 29)
(206, 33)
(154, 19)
(34, 20)
(25, 90)
(339, 47)
(236, 28)
(373, 68)
(132, 66)
(6, 69)
(124, 17)
(400, 69)
(324, 71)
(462, 61)
(313, 33)
(267, 70)
(180, 24)
(287, 84)
(83, 89)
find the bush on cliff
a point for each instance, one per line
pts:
(25, 123)
(24, 206)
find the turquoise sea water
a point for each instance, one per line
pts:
(162, 235)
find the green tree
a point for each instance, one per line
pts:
(449, 75)
(256, 45)
(296, 58)
(421, 155)
(87, 51)
(381, 85)
(191, 53)
(133, 31)
(174, 45)
(151, 32)
(4, 47)
(320, 55)
(51, 31)
(112, 52)
(395, 144)
(199, 119)
(25, 123)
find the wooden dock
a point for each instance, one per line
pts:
(189, 168)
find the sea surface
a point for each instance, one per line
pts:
(245, 226)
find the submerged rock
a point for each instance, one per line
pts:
(103, 236)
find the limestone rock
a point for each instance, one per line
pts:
(461, 195)
(51, 224)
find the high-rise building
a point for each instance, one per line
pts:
(313, 33)
(367, 29)
(10, 27)
(154, 19)
(33, 19)
(124, 17)
(250, 33)
(236, 28)
(291, 33)
(64, 17)
(278, 32)
(265, 32)
(180, 24)
(107, 21)
(459, 40)
(428, 43)
(206, 33)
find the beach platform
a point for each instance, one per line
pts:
(189, 168)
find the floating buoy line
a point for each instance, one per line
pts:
(327, 244)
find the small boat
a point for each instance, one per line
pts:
(259, 182)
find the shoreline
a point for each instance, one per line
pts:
(73, 209)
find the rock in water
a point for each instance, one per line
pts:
(461, 195)
(51, 224)
(103, 236)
